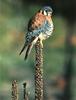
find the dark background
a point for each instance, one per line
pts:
(59, 49)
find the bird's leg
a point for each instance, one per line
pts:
(41, 43)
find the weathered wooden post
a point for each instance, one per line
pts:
(39, 72)
(14, 90)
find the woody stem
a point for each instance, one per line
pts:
(39, 72)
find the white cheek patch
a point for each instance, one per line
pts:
(45, 13)
(48, 14)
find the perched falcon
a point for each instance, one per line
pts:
(40, 26)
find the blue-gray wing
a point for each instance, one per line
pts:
(45, 28)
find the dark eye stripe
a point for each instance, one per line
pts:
(42, 12)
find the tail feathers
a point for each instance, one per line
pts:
(24, 47)
(28, 47)
(28, 51)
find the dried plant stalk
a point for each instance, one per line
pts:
(25, 93)
(14, 90)
(39, 72)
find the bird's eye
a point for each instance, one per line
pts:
(45, 13)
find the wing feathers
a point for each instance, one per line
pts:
(36, 22)
(28, 47)
(24, 47)
(28, 51)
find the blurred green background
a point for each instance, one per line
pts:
(14, 18)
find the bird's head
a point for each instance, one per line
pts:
(47, 11)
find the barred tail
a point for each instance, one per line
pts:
(28, 51)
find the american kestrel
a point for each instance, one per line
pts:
(40, 26)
